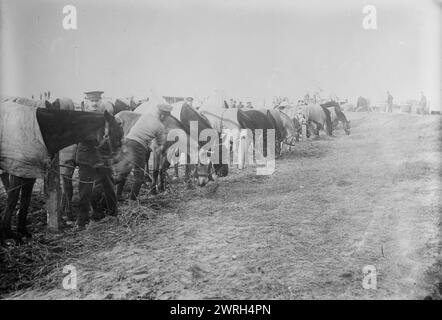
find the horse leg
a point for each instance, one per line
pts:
(153, 188)
(67, 191)
(120, 185)
(162, 175)
(11, 201)
(187, 170)
(175, 169)
(5, 180)
(146, 174)
(155, 172)
(210, 172)
(25, 200)
(66, 198)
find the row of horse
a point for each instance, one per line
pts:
(58, 127)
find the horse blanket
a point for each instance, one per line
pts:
(23, 152)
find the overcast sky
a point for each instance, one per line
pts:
(245, 49)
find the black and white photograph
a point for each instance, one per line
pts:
(231, 151)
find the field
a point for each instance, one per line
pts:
(333, 206)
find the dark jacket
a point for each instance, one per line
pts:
(87, 153)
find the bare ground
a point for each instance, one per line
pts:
(333, 206)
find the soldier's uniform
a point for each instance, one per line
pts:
(96, 187)
(145, 130)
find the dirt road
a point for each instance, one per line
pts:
(333, 206)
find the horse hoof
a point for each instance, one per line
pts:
(80, 224)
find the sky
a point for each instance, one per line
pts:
(248, 50)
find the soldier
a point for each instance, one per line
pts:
(145, 130)
(96, 187)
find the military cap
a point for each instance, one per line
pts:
(93, 95)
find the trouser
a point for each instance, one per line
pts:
(66, 173)
(17, 185)
(134, 158)
(390, 107)
(96, 189)
(67, 168)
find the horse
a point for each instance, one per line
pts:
(66, 158)
(259, 119)
(29, 139)
(336, 115)
(186, 114)
(291, 129)
(319, 116)
(294, 113)
(161, 163)
(122, 104)
(286, 128)
(226, 122)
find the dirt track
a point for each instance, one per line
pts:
(332, 207)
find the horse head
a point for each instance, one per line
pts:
(111, 141)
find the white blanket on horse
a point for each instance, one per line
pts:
(23, 152)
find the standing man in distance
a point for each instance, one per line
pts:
(96, 187)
